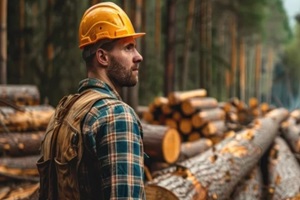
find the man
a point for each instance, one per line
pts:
(112, 163)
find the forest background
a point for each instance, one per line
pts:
(231, 48)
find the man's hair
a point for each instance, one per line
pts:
(89, 51)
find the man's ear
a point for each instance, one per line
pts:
(102, 57)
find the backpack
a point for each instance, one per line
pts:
(59, 171)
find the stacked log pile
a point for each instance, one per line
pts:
(237, 163)
(23, 121)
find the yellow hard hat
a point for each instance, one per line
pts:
(105, 21)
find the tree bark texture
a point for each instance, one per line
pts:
(20, 95)
(20, 144)
(34, 118)
(22, 168)
(20, 191)
(250, 187)
(291, 133)
(193, 148)
(161, 143)
(3, 41)
(284, 172)
(218, 170)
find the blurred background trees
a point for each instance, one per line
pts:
(231, 48)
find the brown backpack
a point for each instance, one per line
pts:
(58, 169)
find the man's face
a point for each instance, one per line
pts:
(124, 63)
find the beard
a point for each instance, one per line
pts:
(121, 76)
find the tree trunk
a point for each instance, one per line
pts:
(217, 171)
(34, 118)
(233, 27)
(169, 76)
(161, 143)
(21, 41)
(284, 172)
(3, 41)
(20, 94)
(242, 70)
(185, 70)
(258, 61)
(20, 144)
(133, 91)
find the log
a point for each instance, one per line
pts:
(20, 94)
(185, 126)
(193, 148)
(217, 171)
(20, 144)
(171, 123)
(296, 115)
(291, 133)
(34, 118)
(250, 187)
(21, 191)
(284, 172)
(202, 117)
(214, 128)
(161, 143)
(19, 168)
(157, 167)
(183, 182)
(177, 97)
(192, 105)
(195, 135)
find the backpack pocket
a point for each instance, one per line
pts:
(45, 169)
(65, 166)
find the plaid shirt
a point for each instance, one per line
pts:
(113, 134)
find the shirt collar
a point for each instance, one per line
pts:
(99, 85)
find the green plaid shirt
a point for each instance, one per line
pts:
(113, 136)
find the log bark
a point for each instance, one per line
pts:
(218, 170)
(34, 118)
(161, 143)
(284, 172)
(250, 187)
(21, 191)
(193, 148)
(192, 105)
(20, 144)
(291, 133)
(22, 168)
(177, 97)
(214, 129)
(202, 117)
(20, 94)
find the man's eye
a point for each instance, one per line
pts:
(129, 47)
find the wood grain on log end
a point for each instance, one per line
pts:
(171, 146)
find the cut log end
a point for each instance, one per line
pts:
(171, 146)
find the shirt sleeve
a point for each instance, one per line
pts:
(120, 152)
